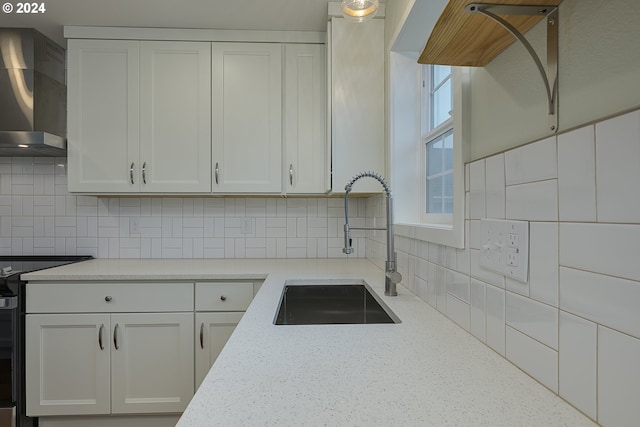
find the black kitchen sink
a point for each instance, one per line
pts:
(330, 303)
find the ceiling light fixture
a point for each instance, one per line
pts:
(359, 10)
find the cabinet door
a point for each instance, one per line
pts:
(357, 102)
(246, 109)
(103, 115)
(305, 119)
(67, 364)
(212, 332)
(175, 118)
(151, 362)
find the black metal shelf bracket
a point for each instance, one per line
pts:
(550, 74)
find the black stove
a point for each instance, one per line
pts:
(12, 325)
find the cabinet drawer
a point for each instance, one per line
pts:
(223, 296)
(108, 297)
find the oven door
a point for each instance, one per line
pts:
(8, 375)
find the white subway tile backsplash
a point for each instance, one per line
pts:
(536, 359)
(478, 315)
(607, 300)
(537, 320)
(477, 207)
(618, 378)
(532, 162)
(458, 311)
(577, 175)
(495, 187)
(458, 285)
(601, 248)
(495, 300)
(617, 171)
(578, 362)
(543, 262)
(535, 201)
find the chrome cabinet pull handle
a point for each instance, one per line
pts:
(291, 174)
(108, 298)
(202, 335)
(217, 172)
(223, 298)
(144, 173)
(115, 337)
(131, 173)
(100, 332)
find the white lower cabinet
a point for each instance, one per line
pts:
(213, 330)
(80, 364)
(116, 353)
(151, 362)
(100, 348)
(219, 307)
(68, 364)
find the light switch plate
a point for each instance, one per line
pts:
(505, 247)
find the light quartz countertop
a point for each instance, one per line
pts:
(425, 371)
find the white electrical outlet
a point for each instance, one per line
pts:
(505, 247)
(247, 226)
(134, 225)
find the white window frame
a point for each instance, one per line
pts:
(429, 134)
(407, 154)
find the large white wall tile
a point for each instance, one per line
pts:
(536, 359)
(618, 378)
(532, 162)
(617, 171)
(478, 319)
(543, 262)
(495, 187)
(607, 300)
(602, 248)
(458, 285)
(495, 299)
(578, 362)
(477, 190)
(537, 320)
(535, 201)
(577, 175)
(458, 311)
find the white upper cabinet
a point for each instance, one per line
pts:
(247, 117)
(195, 116)
(139, 116)
(103, 115)
(175, 117)
(305, 112)
(357, 102)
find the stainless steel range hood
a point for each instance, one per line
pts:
(33, 99)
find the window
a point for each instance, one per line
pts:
(428, 133)
(437, 138)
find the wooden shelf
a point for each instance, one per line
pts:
(470, 39)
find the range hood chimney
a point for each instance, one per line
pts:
(33, 98)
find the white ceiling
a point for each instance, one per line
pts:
(283, 15)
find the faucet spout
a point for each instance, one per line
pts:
(392, 276)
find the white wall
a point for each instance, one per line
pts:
(574, 325)
(598, 61)
(39, 217)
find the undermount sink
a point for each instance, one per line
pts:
(330, 302)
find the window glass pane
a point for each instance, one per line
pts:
(440, 72)
(441, 104)
(439, 174)
(434, 195)
(447, 205)
(434, 157)
(448, 151)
